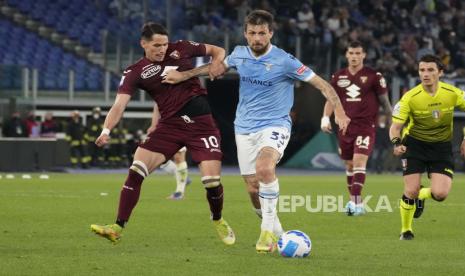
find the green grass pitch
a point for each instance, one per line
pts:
(44, 230)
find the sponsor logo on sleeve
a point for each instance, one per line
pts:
(301, 70)
(194, 43)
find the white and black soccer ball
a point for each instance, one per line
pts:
(294, 244)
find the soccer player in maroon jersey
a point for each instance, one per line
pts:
(362, 90)
(185, 120)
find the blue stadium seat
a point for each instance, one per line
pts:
(18, 46)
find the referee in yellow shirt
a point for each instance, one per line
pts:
(424, 115)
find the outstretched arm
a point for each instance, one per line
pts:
(330, 94)
(113, 118)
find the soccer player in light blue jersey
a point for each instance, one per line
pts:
(262, 125)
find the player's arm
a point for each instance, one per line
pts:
(155, 118)
(174, 76)
(385, 104)
(396, 140)
(113, 118)
(325, 121)
(216, 68)
(331, 96)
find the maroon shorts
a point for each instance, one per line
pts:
(199, 135)
(356, 140)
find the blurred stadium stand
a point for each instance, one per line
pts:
(20, 47)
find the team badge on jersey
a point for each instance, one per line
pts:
(150, 71)
(436, 114)
(363, 79)
(268, 66)
(175, 54)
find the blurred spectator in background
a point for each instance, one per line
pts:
(94, 128)
(118, 153)
(382, 145)
(305, 18)
(32, 125)
(137, 137)
(76, 136)
(14, 127)
(49, 126)
(426, 48)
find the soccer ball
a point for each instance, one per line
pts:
(294, 244)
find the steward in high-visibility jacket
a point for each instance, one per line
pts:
(76, 136)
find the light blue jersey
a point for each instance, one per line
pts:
(266, 90)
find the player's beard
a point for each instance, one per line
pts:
(258, 51)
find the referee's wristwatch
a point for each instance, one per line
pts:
(396, 141)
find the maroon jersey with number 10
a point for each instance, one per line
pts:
(147, 75)
(199, 134)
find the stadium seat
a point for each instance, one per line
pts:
(19, 46)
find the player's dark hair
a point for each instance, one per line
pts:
(432, 58)
(259, 17)
(355, 44)
(151, 28)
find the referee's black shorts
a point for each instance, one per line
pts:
(432, 157)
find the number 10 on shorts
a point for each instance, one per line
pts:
(210, 142)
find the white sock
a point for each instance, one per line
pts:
(181, 176)
(169, 167)
(268, 194)
(277, 228)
